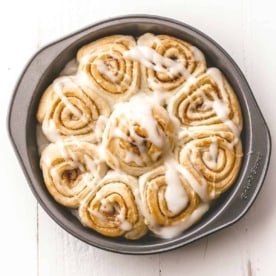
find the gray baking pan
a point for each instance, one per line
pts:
(47, 64)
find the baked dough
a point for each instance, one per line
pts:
(145, 136)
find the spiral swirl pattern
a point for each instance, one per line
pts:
(176, 61)
(103, 65)
(112, 208)
(210, 160)
(207, 100)
(134, 145)
(168, 209)
(67, 168)
(68, 109)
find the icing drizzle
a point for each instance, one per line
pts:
(139, 109)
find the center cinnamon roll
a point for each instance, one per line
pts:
(137, 136)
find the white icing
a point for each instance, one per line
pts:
(61, 185)
(103, 69)
(69, 82)
(198, 55)
(97, 214)
(102, 154)
(106, 206)
(121, 77)
(55, 175)
(222, 112)
(168, 232)
(175, 195)
(46, 160)
(62, 150)
(84, 80)
(213, 154)
(88, 180)
(58, 86)
(151, 59)
(130, 156)
(50, 130)
(124, 224)
(220, 107)
(69, 155)
(100, 126)
(138, 110)
(199, 187)
(92, 166)
(158, 96)
(137, 159)
(216, 75)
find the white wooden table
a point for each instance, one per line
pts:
(32, 244)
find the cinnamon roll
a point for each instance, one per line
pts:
(137, 137)
(112, 208)
(142, 136)
(207, 100)
(210, 160)
(102, 65)
(170, 205)
(167, 62)
(69, 109)
(67, 169)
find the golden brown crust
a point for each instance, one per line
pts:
(69, 109)
(67, 167)
(213, 158)
(128, 146)
(145, 136)
(153, 187)
(173, 49)
(200, 102)
(104, 66)
(112, 208)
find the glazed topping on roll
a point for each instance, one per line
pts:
(152, 60)
(166, 62)
(138, 134)
(211, 160)
(169, 207)
(69, 109)
(113, 207)
(66, 166)
(207, 100)
(103, 67)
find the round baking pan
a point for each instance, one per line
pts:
(47, 64)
